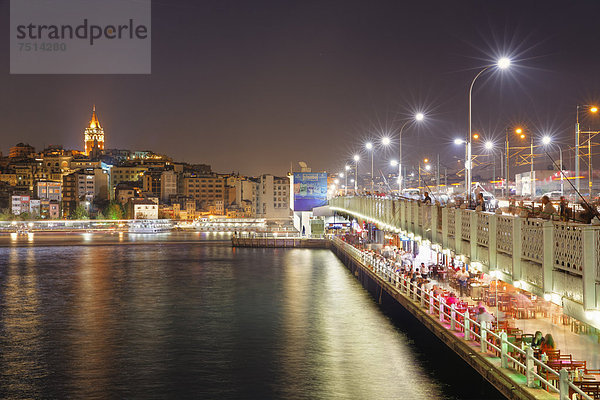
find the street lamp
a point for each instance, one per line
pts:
(385, 141)
(489, 147)
(502, 63)
(547, 140)
(417, 117)
(593, 110)
(369, 147)
(356, 159)
(347, 168)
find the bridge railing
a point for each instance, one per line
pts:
(556, 260)
(522, 360)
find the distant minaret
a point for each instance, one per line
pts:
(93, 133)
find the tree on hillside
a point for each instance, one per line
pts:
(114, 211)
(79, 213)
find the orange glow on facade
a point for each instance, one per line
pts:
(93, 134)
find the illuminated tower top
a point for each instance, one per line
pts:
(94, 134)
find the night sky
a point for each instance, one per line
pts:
(251, 86)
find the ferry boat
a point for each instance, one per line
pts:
(150, 226)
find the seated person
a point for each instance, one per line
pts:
(538, 340)
(484, 316)
(548, 344)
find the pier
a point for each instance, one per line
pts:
(285, 242)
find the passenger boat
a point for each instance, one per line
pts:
(150, 226)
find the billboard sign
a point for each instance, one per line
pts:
(310, 190)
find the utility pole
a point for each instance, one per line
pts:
(531, 182)
(438, 174)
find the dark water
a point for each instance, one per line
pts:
(203, 320)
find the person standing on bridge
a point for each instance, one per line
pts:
(463, 280)
(426, 198)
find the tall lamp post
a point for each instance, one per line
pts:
(369, 147)
(503, 63)
(346, 168)
(547, 140)
(418, 118)
(356, 160)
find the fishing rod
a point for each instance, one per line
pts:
(589, 207)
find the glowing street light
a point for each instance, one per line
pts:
(458, 141)
(418, 117)
(546, 141)
(369, 147)
(489, 145)
(393, 163)
(502, 64)
(386, 141)
(428, 167)
(355, 180)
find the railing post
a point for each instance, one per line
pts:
(422, 295)
(459, 214)
(563, 384)
(442, 305)
(431, 300)
(589, 267)
(483, 336)
(517, 248)
(492, 243)
(530, 366)
(435, 237)
(467, 326)
(445, 226)
(503, 349)
(453, 317)
(548, 253)
(473, 238)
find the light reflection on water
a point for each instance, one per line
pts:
(197, 320)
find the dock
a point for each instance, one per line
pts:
(281, 242)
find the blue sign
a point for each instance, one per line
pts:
(310, 190)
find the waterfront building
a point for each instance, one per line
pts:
(48, 190)
(272, 197)
(127, 173)
(142, 209)
(8, 178)
(206, 190)
(84, 186)
(93, 134)
(19, 204)
(21, 150)
(125, 191)
(160, 183)
(49, 209)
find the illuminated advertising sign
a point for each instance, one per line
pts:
(310, 190)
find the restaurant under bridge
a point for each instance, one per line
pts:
(559, 261)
